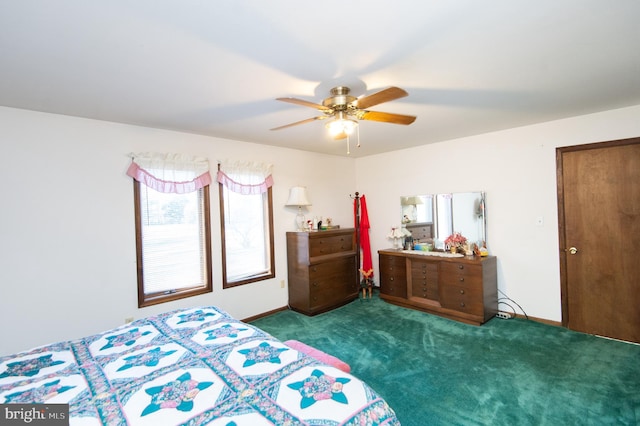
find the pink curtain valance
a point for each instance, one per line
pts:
(246, 178)
(170, 173)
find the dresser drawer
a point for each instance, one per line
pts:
(425, 289)
(330, 244)
(393, 276)
(461, 274)
(322, 293)
(333, 271)
(462, 299)
(424, 279)
(332, 281)
(393, 264)
(393, 286)
(423, 267)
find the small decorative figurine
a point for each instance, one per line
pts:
(366, 283)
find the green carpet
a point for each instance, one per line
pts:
(435, 371)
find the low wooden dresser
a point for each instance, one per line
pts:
(323, 270)
(460, 288)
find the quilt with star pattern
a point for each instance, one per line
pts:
(196, 366)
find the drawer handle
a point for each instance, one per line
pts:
(460, 266)
(461, 291)
(391, 279)
(315, 284)
(462, 304)
(314, 269)
(461, 278)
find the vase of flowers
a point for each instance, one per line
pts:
(455, 242)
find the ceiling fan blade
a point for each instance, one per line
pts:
(386, 95)
(308, 120)
(386, 117)
(303, 103)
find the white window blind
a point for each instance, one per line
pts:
(173, 240)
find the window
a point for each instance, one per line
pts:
(173, 232)
(246, 220)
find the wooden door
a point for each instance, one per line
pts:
(599, 223)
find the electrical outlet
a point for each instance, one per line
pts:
(503, 315)
(281, 283)
(128, 320)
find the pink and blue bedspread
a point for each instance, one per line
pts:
(189, 367)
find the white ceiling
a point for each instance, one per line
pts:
(216, 67)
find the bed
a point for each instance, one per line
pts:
(189, 367)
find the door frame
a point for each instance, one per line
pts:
(560, 151)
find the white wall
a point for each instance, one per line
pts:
(67, 248)
(517, 170)
(67, 253)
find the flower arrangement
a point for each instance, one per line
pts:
(456, 240)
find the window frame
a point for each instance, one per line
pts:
(257, 277)
(150, 299)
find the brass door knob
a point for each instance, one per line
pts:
(573, 250)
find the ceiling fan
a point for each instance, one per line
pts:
(344, 110)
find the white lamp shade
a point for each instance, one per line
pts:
(397, 232)
(411, 201)
(298, 197)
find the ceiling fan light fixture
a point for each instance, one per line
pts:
(343, 112)
(341, 126)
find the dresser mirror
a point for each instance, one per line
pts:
(462, 212)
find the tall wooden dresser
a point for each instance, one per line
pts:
(323, 270)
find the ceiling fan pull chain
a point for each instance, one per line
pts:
(348, 150)
(358, 134)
